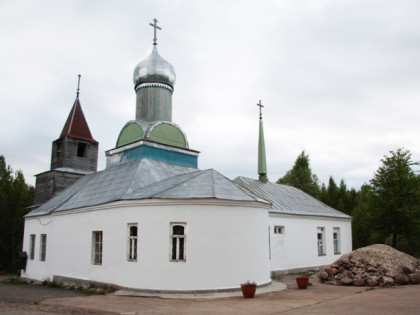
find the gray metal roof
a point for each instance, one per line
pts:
(145, 179)
(287, 199)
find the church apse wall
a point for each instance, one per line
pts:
(207, 252)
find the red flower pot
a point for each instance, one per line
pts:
(248, 289)
(302, 282)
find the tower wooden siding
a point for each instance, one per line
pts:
(51, 183)
(65, 155)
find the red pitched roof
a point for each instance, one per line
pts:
(76, 125)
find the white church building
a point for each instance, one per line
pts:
(152, 221)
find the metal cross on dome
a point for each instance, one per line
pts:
(260, 106)
(154, 25)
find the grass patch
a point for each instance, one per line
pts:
(14, 280)
(92, 289)
(387, 286)
(370, 289)
(52, 284)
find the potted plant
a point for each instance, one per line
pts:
(302, 281)
(248, 289)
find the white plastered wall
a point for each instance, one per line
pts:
(226, 245)
(298, 246)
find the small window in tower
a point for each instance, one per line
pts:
(81, 149)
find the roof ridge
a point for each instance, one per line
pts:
(139, 161)
(212, 181)
(166, 179)
(243, 189)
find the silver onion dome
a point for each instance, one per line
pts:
(154, 69)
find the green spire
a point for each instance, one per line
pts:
(262, 164)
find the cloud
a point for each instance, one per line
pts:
(338, 79)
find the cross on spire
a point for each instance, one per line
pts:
(78, 85)
(260, 106)
(154, 25)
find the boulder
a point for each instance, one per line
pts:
(323, 275)
(401, 278)
(345, 261)
(414, 278)
(346, 281)
(388, 280)
(392, 273)
(372, 283)
(412, 267)
(348, 274)
(359, 282)
(331, 271)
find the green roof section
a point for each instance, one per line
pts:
(131, 132)
(262, 164)
(169, 134)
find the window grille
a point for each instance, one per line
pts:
(178, 242)
(321, 242)
(32, 247)
(336, 237)
(278, 229)
(43, 247)
(97, 254)
(132, 243)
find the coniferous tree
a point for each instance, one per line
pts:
(362, 219)
(300, 176)
(15, 197)
(395, 202)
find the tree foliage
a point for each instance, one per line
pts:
(300, 176)
(15, 197)
(386, 211)
(395, 202)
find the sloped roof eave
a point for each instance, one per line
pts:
(289, 200)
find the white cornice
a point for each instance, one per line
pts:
(164, 203)
(154, 84)
(310, 216)
(153, 145)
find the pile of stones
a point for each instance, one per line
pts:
(375, 265)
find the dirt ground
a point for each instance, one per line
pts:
(317, 299)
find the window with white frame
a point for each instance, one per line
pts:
(97, 238)
(178, 242)
(43, 247)
(132, 242)
(321, 241)
(278, 229)
(32, 247)
(336, 238)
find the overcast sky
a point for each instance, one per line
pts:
(338, 79)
